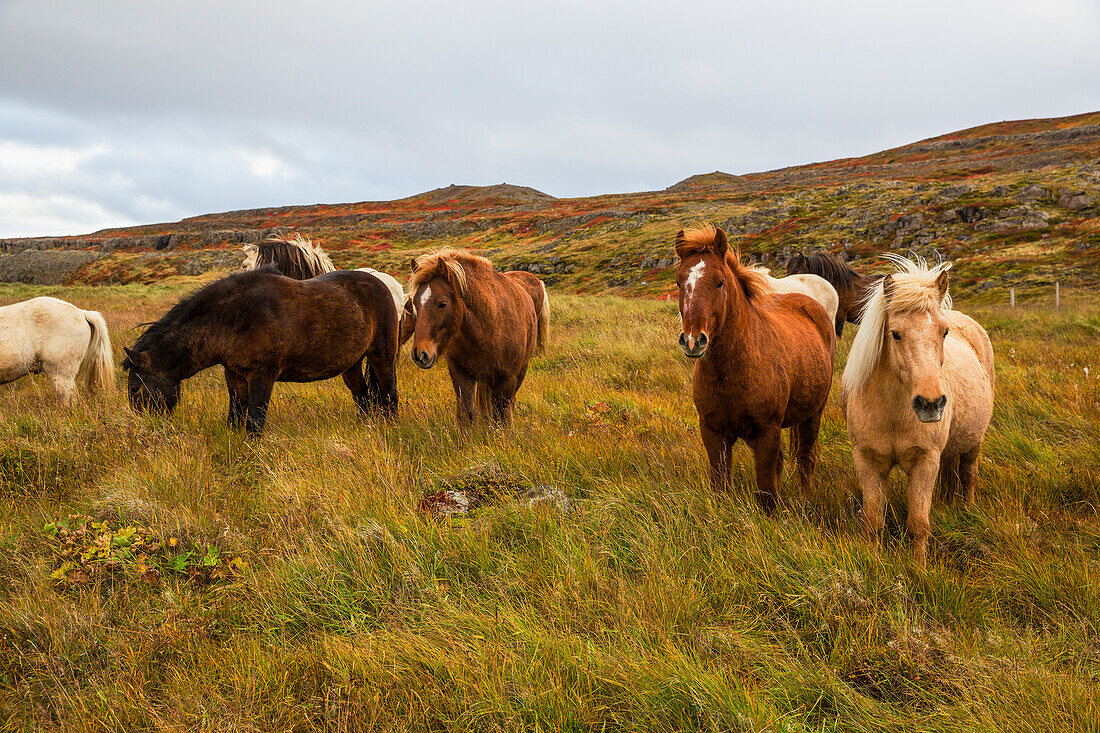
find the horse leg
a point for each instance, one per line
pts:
(806, 433)
(464, 386)
(503, 400)
(872, 483)
(360, 392)
(238, 398)
(766, 449)
(968, 473)
(62, 378)
(841, 317)
(382, 371)
(718, 454)
(922, 481)
(259, 395)
(949, 477)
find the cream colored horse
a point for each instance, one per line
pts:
(816, 287)
(49, 335)
(917, 392)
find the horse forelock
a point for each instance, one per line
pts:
(450, 264)
(914, 291)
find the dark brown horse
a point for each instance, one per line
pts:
(264, 328)
(851, 287)
(486, 324)
(764, 361)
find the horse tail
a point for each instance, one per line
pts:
(544, 320)
(97, 369)
(483, 399)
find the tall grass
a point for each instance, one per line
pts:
(651, 604)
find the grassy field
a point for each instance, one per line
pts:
(169, 574)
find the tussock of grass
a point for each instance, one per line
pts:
(651, 604)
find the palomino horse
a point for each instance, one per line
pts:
(816, 287)
(49, 335)
(487, 324)
(300, 258)
(764, 361)
(262, 328)
(851, 288)
(917, 392)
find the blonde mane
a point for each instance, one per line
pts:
(914, 291)
(447, 263)
(295, 256)
(709, 238)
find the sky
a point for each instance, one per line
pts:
(115, 113)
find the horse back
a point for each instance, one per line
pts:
(531, 284)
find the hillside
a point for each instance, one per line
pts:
(1012, 203)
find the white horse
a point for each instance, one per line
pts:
(917, 392)
(816, 287)
(52, 336)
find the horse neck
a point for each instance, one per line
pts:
(191, 347)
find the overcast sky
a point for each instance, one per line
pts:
(116, 113)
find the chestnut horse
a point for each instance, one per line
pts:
(764, 361)
(917, 392)
(487, 324)
(262, 328)
(852, 288)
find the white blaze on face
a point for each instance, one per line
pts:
(693, 277)
(426, 295)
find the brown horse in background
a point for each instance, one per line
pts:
(851, 287)
(486, 323)
(764, 361)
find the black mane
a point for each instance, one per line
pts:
(825, 265)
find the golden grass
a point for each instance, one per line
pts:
(652, 605)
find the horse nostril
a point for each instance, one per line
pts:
(702, 340)
(683, 340)
(941, 402)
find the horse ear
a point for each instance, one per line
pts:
(413, 265)
(888, 287)
(942, 283)
(138, 358)
(721, 244)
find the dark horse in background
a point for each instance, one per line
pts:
(851, 287)
(262, 328)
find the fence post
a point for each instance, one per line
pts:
(1012, 297)
(1057, 295)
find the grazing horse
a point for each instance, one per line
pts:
(816, 287)
(917, 392)
(852, 288)
(486, 323)
(300, 258)
(49, 335)
(763, 361)
(262, 328)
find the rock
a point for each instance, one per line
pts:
(1076, 200)
(45, 267)
(953, 192)
(1034, 192)
(971, 214)
(947, 216)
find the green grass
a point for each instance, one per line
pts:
(652, 605)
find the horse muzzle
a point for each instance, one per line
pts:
(422, 359)
(929, 410)
(693, 347)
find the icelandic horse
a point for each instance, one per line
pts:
(917, 392)
(486, 324)
(763, 362)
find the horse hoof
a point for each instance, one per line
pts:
(766, 501)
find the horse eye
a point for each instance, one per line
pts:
(720, 283)
(442, 304)
(945, 332)
(896, 335)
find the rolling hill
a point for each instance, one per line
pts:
(1014, 204)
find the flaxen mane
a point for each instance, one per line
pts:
(448, 263)
(708, 238)
(914, 291)
(295, 256)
